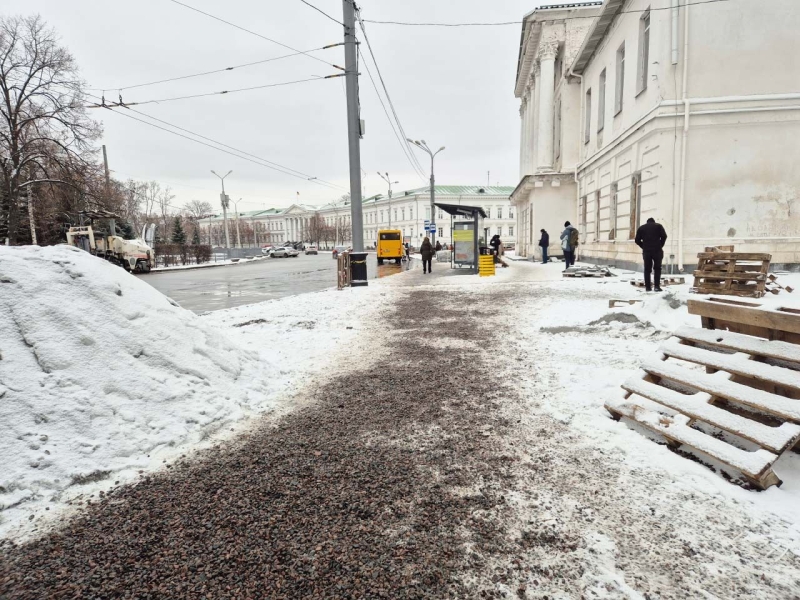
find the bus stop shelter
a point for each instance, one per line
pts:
(466, 223)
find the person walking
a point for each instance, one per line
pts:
(426, 249)
(651, 238)
(544, 243)
(569, 243)
(495, 243)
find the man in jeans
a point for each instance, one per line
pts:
(651, 238)
(544, 244)
(569, 243)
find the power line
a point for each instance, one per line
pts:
(179, 78)
(237, 154)
(240, 28)
(386, 91)
(501, 23)
(403, 145)
(220, 93)
(322, 11)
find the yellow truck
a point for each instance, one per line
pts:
(390, 245)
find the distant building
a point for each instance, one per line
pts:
(406, 211)
(725, 173)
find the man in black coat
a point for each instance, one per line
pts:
(651, 238)
(544, 244)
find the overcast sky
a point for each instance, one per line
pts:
(453, 87)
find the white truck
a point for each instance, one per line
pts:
(136, 255)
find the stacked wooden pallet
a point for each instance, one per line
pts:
(773, 287)
(732, 273)
(743, 409)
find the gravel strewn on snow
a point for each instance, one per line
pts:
(99, 372)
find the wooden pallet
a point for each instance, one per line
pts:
(614, 301)
(732, 273)
(587, 272)
(738, 394)
(665, 281)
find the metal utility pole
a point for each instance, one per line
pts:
(224, 200)
(238, 235)
(353, 123)
(388, 180)
(108, 178)
(423, 146)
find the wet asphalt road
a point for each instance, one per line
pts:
(215, 288)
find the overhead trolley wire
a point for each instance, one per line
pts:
(403, 145)
(220, 93)
(419, 168)
(251, 32)
(500, 23)
(236, 151)
(319, 10)
(241, 66)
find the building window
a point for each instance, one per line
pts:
(510, 230)
(428, 212)
(511, 212)
(636, 200)
(587, 122)
(644, 52)
(612, 215)
(500, 230)
(619, 84)
(499, 212)
(597, 216)
(403, 214)
(584, 200)
(441, 214)
(395, 214)
(441, 232)
(411, 215)
(601, 102)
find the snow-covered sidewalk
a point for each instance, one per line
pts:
(452, 441)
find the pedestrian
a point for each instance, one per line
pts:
(426, 249)
(544, 244)
(651, 238)
(407, 249)
(569, 243)
(438, 245)
(496, 243)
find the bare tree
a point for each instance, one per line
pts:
(45, 131)
(197, 209)
(164, 199)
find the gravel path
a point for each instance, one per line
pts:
(377, 488)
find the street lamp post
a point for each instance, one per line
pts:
(238, 235)
(423, 146)
(388, 180)
(224, 200)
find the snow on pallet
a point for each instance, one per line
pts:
(593, 271)
(736, 393)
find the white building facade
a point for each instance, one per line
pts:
(689, 114)
(406, 211)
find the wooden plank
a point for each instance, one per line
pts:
(741, 276)
(721, 387)
(755, 466)
(736, 364)
(741, 343)
(696, 406)
(759, 256)
(783, 319)
(613, 303)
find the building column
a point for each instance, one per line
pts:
(523, 137)
(530, 166)
(547, 59)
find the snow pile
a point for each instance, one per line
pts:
(98, 370)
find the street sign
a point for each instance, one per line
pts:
(427, 223)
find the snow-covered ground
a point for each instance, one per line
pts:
(103, 378)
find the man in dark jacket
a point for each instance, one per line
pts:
(651, 238)
(544, 244)
(426, 249)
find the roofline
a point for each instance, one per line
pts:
(530, 19)
(596, 33)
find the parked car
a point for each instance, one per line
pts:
(284, 252)
(267, 250)
(338, 249)
(311, 250)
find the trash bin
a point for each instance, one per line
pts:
(358, 269)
